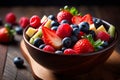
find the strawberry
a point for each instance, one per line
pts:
(87, 18)
(83, 46)
(64, 15)
(76, 19)
(103, 36)
(49, 48)
(64, 30)
(69, 51)
(6, 35)
(50, 38)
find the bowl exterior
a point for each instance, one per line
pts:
(69, 64)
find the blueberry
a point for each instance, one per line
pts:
(19, 30)
(105, 44)
(54, 28)
(52, 17)
(74, 26)
(18, 62)
(84, 26)
(54, 23)
(92, 33)
(58, 52)
(37, 42)
(42, 46)
(64, 21)
(67, 42)
(75, 31)
(74, 39)
(97, 22)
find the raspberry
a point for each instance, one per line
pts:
(10, 18)
(69, 51)
(64, 30)
(49, 48)
(103, 36)
(23, 22)
(35, 21)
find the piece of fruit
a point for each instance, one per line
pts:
(100, 28)
(76, 19)
(49, 48)
(103, 36)
(18, 61)
(44, 18)
(23, 22)
(37, 42)
(19, 30)
(111, 30)
(30, 31)
(35, 21)
(48, 23)
(92, 27)
(87, 18)
(52, 17)
(69, 51)
(64, 30)
(66, 42)
(84, 26)
(6, 35)
(51, 38)
(10, 18)
(83, 46)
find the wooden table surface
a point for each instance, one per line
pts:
(8, 70)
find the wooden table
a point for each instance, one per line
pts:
(8, 70)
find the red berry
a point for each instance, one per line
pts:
(23, 22)
(64, 15)
(76, 19)
(50, 38)
(10, 18)
(83, 46)
(69, 51)
(35, 21)
(87, 18)
(103, 36)
(80, 34)
(64, 30)
(49, 48)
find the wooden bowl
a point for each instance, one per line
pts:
(70, 64)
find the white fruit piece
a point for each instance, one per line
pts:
(101, 28)
(92, 27)
(30, 31)
(44, 18)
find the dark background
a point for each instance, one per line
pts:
(57, 2)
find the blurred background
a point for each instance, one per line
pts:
(57, 2)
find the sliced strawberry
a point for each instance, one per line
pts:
(64, 15)
(103, 36)
(51, 38)
(87, 18)
(76, 19)
(64, 30)
(83, 46)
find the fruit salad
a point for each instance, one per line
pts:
(69, 32)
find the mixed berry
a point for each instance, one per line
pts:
(69, 32)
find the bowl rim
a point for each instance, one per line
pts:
(86, 54)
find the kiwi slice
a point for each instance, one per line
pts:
(111, 30)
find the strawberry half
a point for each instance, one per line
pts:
(50, 38)
(87, 18)
(76, 19)
(64, 15)
(83, 46)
